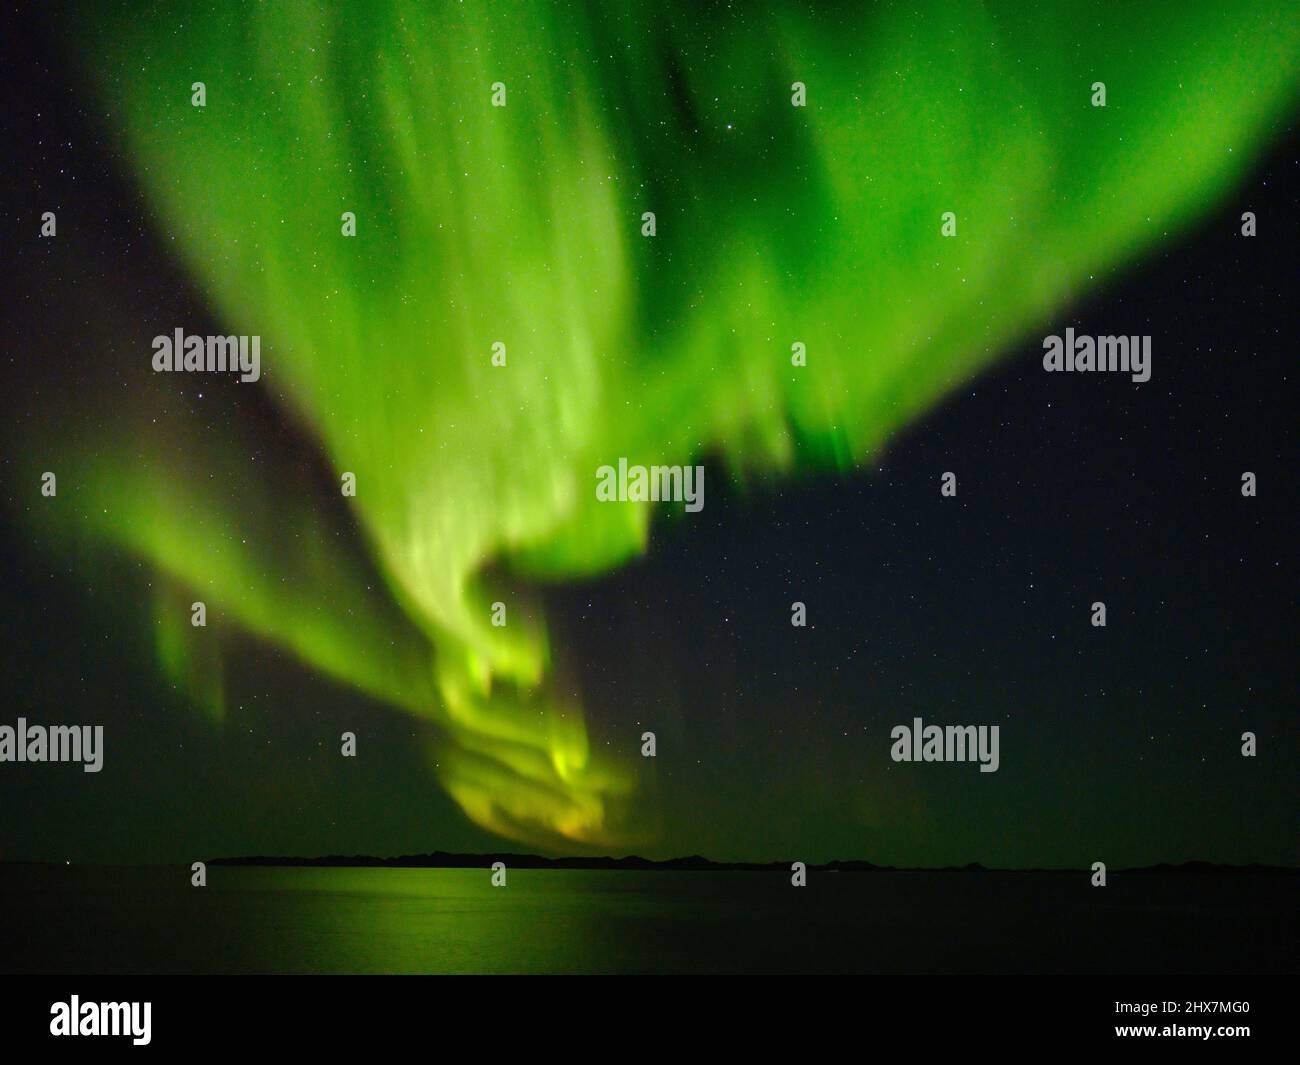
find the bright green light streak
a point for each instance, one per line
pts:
(521, 225)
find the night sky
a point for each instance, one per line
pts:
(1119, 744)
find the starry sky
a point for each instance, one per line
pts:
(822, 483)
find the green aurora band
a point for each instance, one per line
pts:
(521, 224)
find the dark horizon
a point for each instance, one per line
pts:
(635, 862)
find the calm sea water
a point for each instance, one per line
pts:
(93, 920)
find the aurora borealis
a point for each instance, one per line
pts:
(521, 225)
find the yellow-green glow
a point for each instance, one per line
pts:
(521, 225)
